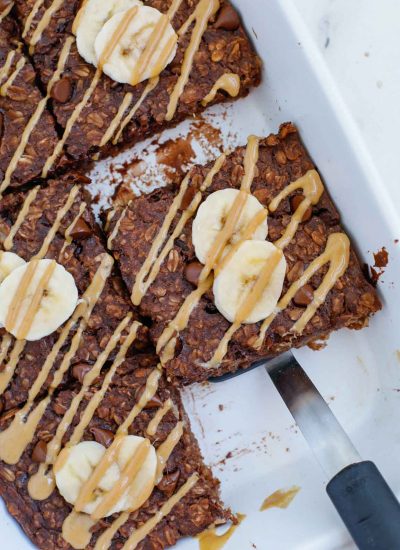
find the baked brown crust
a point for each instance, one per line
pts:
(282, 159)
(42, 520)
(221, 51)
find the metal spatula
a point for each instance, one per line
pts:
(357, 489)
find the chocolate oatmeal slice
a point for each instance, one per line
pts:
(313, 285)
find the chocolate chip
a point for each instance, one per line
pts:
(228, 19)
(80, 370)
(304, 296)
(188, 197)
(153, 403)
(105, 437)
(192, 272)
(61, 91)
(295, 203)
(81, 230)
(39, 452)
(168, 483)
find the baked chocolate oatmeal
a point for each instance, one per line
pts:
(27, 129)
(184, 500)
(214, 61)
(322, 287)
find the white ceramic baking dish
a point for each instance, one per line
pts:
(358, 372)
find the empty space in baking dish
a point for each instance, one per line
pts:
(243, 427)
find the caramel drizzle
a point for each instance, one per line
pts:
(152, 83)
(167, 341)
(154, 260)
(166, 448)
(7, 65)
(71, 121)
(43, 23)
(9, 240)
(115, 231)
(229, 82)
(312, 188)
(155, 422)
(68, 231)
(15, 439)
(41, 482)
(35, 118)
(18, 68)
(6, 11)
(22, 294)
(57, 223)
(139, 534)
(337, 254)
(205, 9)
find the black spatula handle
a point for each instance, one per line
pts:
(367, 506)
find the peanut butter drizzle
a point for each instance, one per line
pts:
(229, 82)
(6, 11)
(210, 540)
(9, 240)
(126, 479)
(155, 421)
(104, 541)
(68, 231)
(117, 119)
(71, 121)
(35, 118)
(53, 447)
(312, 188)
(139, 534)
(7, 374)
(95, 401)
(166, 448)
(15, 439)
(43, 23)
(7, 65)
(152, 83)
(139, 288)
(337, 254)
(165, 348)
(18, 68)
(205, 9)
(34, 305)
(248, 233)
(32, 14)
(248, 304)
(5, 346)
(116, 37)
(115, 231)
(280, 499)
(19, 296)
(57, 222)
(76, 530)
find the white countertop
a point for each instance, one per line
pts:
(360, 41)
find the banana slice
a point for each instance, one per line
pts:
(8, 262)
(76, 464)
(212, 215)
(91, 19)
(238, 276)
(36, 299)
(122, 64)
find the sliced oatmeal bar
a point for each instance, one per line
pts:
(27, 129)
(324, 288)
(98, 113)
(185, 500)
(56, 222)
